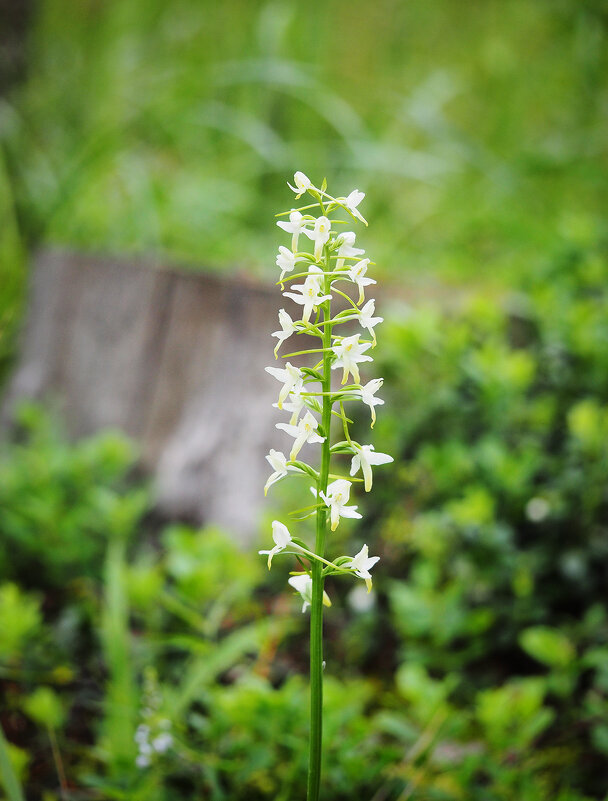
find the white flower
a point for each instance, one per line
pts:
(346, 249)
(357, 274)
(294, 227)
(288, 328)
(337, 496)
(295, 406)
(303, 432)
(302, 184)
(303, 585)
(278, 462)
(319, 235)
(352, 201)
(286, 260)
(310, 296)
(364, 458)
(350, 352)
(291, 377)
(537, 509)
(367, 393)
(362, 563)
(162, 743)
(281, 537)
(367, 320)
(142, 734)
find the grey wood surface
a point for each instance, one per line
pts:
(173, 359)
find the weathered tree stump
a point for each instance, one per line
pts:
(173, 359)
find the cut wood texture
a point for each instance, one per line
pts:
(173, 359)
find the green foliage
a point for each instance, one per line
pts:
(259, 732)
(59, 503)
(21, 621)
(12, 763)
(551, 647)
(479, 671)
(161, 127)
(512, 716)
(495, 690)
(496, 517)
(44, 707)
(192, 562)
(12, 272)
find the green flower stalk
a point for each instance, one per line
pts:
(307, 394)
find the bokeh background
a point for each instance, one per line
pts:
(478, 668)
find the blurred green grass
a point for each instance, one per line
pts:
(477, 129)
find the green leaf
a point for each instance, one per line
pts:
(342, 447)
(10, 782)
(305, 468)
(45, 707)
(549, 646)
(312, 373)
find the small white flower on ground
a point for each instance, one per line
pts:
(362, 563)
(292, 379)
(367, 319)
(162, 743)
(305, 431)
(302, 184)
(310, 296)
(278, 462)
(281, 537)
(357, 274)
(346, 249)
(286, 260)
(367, 393)
(537, 509)
(338, 493)
(352, 201)
(364, 459)
(319, 235)
(295, 226)
(350, 353)
(303, 585)
(142, 733)
(288, 328)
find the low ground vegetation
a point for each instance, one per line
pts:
(149, 661)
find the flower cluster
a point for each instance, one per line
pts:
(153, 735)
(316, 277)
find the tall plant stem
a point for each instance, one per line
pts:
(316, 609)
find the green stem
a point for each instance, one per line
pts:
(344, 423)
(344, 295)
(316, 607)
(303, 352)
